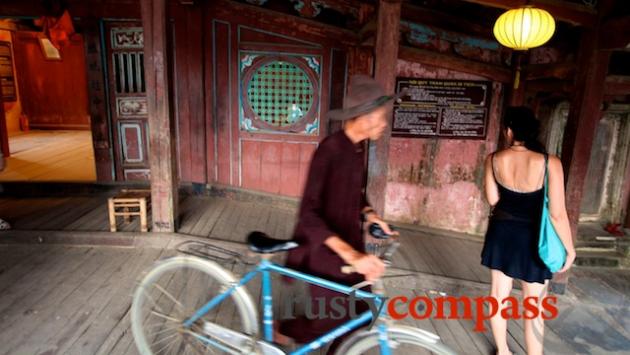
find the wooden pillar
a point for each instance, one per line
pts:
(584, 115)
(100, 124)
(360, 61)
(4, 134)
(386, 57)
(161, 130)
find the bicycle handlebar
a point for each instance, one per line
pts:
(385, 257)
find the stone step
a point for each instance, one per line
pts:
(597, 257)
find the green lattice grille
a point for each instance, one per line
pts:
(280, 93)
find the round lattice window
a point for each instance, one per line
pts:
(280, 93)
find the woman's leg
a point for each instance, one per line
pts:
(500, 289)
(534, 328)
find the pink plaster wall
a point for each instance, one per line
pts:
(439, 182)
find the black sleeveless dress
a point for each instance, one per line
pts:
(511, 243)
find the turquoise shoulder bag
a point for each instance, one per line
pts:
(550, 247)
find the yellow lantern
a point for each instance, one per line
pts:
(524, 28)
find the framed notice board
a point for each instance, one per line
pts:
(7, 78)
(435, 108)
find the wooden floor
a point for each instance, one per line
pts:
(225, 219)
(50, 156)
(58, 299)
(75, 300)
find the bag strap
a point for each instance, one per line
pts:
(546, 183)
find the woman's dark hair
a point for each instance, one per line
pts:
(525, 127)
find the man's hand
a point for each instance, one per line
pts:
(372, 217)
(368, 265)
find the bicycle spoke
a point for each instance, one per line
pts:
(169, 296)
(164, 316)
(164, 339)
(153, 301)
(163, 331)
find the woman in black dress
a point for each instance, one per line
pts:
(514, 180)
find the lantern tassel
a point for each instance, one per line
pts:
(517, 78)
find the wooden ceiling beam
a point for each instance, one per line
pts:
(614, 86)
(450, 62)
(347, 6)
(617, 85)
(443, 20)
(549, 86)
(560, 10)
(615, 34)
(286, 24)
(544, 71)
(113, 9)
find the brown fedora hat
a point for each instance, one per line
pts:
(364, 95)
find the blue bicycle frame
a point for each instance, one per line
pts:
(265, 267)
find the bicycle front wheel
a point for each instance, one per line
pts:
(401, 341)
(173, 291)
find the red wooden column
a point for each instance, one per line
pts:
(161, 131)
(584, 115)
(386, 57)
(4, 133)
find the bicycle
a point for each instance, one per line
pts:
(190, 322)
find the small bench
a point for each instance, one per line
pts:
(129, 203)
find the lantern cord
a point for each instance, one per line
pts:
(517, 75)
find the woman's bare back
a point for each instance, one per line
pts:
(519, 170)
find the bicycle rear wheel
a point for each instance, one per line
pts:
(402, 341)
(172, 291)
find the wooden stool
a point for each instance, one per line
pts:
(129, 203)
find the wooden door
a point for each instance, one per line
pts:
(270, 93)
(603, 186)
(127, 99)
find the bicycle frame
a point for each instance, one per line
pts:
(265, 268)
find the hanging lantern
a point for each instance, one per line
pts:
(524, 28)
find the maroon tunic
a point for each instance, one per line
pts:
(331, 205)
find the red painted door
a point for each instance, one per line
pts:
(270, 93)
(127, 97)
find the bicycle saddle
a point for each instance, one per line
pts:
(260, 242)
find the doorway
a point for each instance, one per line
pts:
(46, 119)
(610, 156)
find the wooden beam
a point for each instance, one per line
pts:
(561, 71)
(348, 6)
(446, 61)
(615, 34)
(617, 85)
(549, 86)
(161, 133)
(77, 8)
(283, 24)
(443, 20)
(386, 58)
(367, 31)
(561, 10)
